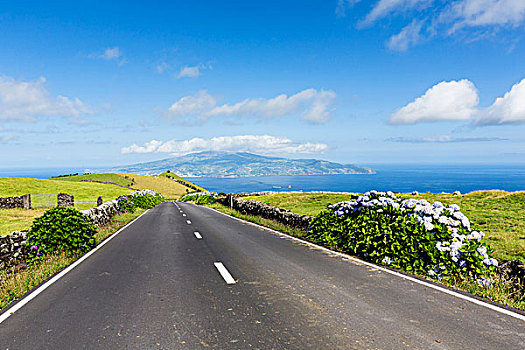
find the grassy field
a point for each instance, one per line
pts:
(497, 213)
(86, 194)
(168, 188)
(109, 177)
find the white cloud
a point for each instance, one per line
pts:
(509, 109)
(443, 18)
(111, 53)
(262, 144)
(409, 36)
(476, 13)
(312, 105)
(453, 100)
(23, 100)
(189, 72)
(444, 139)
(8, 138)
(162, 67)
(384, 8)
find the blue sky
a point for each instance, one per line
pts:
(92, 84)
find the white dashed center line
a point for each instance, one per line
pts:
(183, 214)
(188, 222)
(224, 273)
(197, 235)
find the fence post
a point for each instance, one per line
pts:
(65, 200)
(26, 201)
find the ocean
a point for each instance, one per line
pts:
(397, 178)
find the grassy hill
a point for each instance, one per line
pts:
(168, 188)
(109, 177)
(179, 179)
(497, 213)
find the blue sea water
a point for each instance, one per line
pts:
(398, 178)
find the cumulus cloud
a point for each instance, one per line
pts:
(443, 139)
(442, 18)
(21, 101)
(312, 105)
(262, 144)
(509, 109)
(453, 100)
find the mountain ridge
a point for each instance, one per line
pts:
(238, 164)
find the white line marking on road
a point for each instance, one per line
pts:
(43, 287)
(197, 235)
(412, 279)
(183, 214)
(224, 273)
(188, 222)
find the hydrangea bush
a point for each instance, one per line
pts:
(200, 198)
(408, 234)
(144, 199)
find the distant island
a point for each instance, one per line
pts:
(228, 164)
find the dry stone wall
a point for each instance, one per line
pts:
(16, 202)
(12, 250)
(266, 211)
(102, 214)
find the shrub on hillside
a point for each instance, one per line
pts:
(60, 229)
(201, 198)
(407, 234)
(144, 199)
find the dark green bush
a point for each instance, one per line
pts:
(60, 228)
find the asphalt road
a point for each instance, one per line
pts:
(157, 285)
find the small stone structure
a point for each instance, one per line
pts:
(266, 211)
(12, 250)
(65, 200)
(102, 214)
(16, 202)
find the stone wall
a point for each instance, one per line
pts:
(65, 200)
(12, 250)
(266, 211)
(102, 214)
(16, 202)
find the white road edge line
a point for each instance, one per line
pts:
(412, 279)
(197, 235)
(188, 222)
(224, 273)
(61, 274)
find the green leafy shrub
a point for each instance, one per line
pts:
(201, 198)
(407, 234)
(60, 229)
(144, 199)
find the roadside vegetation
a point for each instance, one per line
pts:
(498, 214)
(24, 278)
(450, 251)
